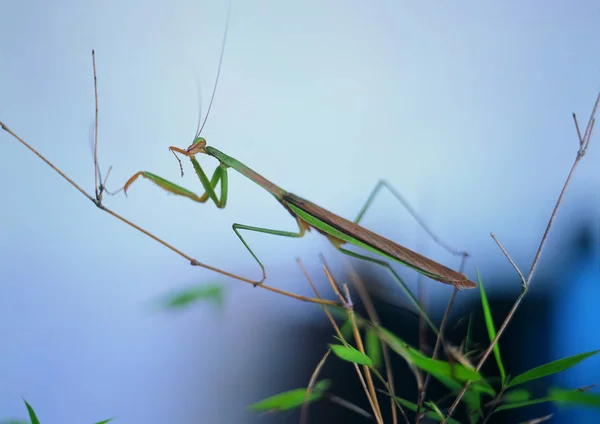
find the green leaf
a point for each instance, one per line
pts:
(350, 354)
(32, 416)
(483, 386)
(435, 367)
(471, 398)
(184, 298)
(346, 329)
(475, 416)
(575, 397)
(105, 421)
(550, 368)
(14, 422)
(373, 348)
(430, 414)
(517, 395)
(469, 335)
(290, 399)
(489, 323)
(523, 403)
(434, 408)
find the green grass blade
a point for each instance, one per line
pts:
(435, 367)
(32, 416)
(347, 330)
(434, 409)
(575, 398)
(522, 404)
(105, 421)
(430, 414)
(517, 395)
(559, 396)
(373, 348)
(550, 368)
(186, 297)
(350, 354)
(471, 398)
(489, 323)
(290, 399)
(469, 335)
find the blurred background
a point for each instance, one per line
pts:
(464, 107)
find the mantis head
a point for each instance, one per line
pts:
(197, 146)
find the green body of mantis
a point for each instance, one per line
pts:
(308, 215)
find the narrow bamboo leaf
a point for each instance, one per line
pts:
(471, 398)
(434, 409)
(469, 335)
(484, 386)
(346, 329)
(32, 416)
(186, 297)
(290, 399)
(523, 403)
(489, 323)
(551, 368)
(475, 417)
(350, 354)
(430, 414)
(373, 347)
(517, 395)
(105, 421)
(435, 367)
(575, 397)
(438, 367)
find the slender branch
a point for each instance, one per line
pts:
(97, 188)
(159, 240)
(523, 281)
(361, 349)
(333, 323)
(311, 385)
(583, 145)
(374, 317)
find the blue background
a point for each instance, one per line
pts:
(465, 107)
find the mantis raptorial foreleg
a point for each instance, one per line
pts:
(220, 174)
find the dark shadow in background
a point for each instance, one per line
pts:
(525, 345)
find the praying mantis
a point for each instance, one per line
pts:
(308, 215)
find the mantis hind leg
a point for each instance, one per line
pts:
(237, 227)
(397, 277)
(384, 184)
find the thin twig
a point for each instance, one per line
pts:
(438, 343)
(330, 317)
(192, 261)
(311, 385)
(374, 317)
(345, 404)
(583, 145)
(96, 169)
(361, 349)
(540, 419)
(521, 276)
